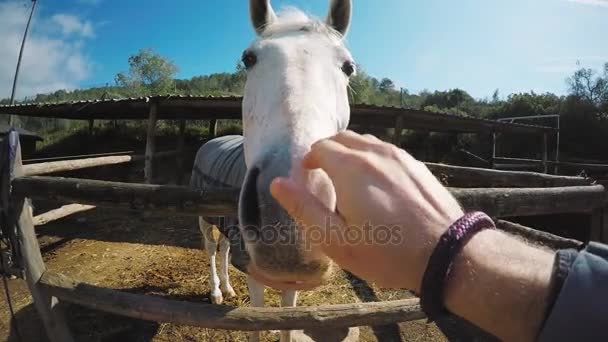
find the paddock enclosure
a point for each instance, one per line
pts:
(508, 196)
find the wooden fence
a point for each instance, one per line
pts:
(504, 194)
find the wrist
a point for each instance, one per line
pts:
(501, 284)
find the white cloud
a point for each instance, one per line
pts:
(72, 25)
(600, 3)
(54, 56)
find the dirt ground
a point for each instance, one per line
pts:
(161, 255)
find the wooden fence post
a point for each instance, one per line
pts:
(595, 233)
(213, 128)
(179, 177)
(545, 154)
(91, 126)
(151, 143)
(398, 131)
(493, 161)
(47, 306)
(605, 225)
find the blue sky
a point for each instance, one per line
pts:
(476, 45)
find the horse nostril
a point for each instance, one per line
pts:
(249, 210)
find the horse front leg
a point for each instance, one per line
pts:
(210, 245)
(224, 260)
(256, 297)
(288, 299)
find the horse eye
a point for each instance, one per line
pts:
(249, 59)
(348, 68)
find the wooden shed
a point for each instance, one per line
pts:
(27, 139)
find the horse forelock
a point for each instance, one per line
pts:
(291, 20)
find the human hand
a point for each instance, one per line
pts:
(380, 190)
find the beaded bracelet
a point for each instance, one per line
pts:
(437, 269)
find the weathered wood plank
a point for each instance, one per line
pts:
(78, 164)
(497, 202)
(130, 196)
(82, 156)
(158, 309)
(509, 202)
(151, 143)
(59, 213)
(538, 237)
(468, 177)
(46, 305)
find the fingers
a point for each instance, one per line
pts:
(301, 204)
(356, 141)
(305, 208)
(327, 154)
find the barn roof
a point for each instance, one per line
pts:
(208, 107)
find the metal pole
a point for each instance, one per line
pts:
(10, 117)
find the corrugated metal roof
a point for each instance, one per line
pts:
(229, 107)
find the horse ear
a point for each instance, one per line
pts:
(340, 12)
(262, 14)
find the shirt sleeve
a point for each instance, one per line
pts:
(580, 312)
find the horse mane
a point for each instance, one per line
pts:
(292, 19)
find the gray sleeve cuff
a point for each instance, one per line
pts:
(580, 312)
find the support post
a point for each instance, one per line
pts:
(91, 126)
(398, 130)
(47, 306)
(557, 137)
(493, 160)
(595, 233)
(150, 143)
(604, 238)
(545, 154)
(213, 128)
(179, 177)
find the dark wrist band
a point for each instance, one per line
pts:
(438, 267)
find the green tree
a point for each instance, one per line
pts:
(589, 86)
(386, 85)
(149, 73)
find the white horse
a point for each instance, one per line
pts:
(296, 94)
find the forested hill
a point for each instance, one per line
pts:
(584, 111)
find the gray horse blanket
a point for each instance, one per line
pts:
(220, 163)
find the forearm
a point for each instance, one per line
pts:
(501, 284)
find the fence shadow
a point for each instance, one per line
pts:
(93, 325)
(365, 293)
(120, 226)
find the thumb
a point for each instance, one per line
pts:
(306, 208)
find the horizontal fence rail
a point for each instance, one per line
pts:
(164, 310)
(505, 202)
(80, 156)
(158, 309)
(469, 177)
(79, 164)
(533, 162)
(498, 202)
(166, 198)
